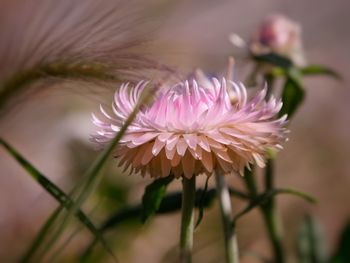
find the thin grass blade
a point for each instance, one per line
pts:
(56, 193)
(94, 173)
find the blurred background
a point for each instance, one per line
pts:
(52, 128)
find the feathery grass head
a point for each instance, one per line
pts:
(193, 127)
(84, 40)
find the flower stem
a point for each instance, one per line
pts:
(268, 210)
(231, 247)
(187, 219)
(270, 81)
(272, 221)
(271, 218)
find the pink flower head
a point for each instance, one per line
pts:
(193, 128)
(281, 35)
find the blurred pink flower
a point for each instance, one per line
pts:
(281, 35)
(193, 128)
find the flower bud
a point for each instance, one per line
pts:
(280, 35)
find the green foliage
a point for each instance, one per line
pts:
(293, 91)
(274, 59)
(342, 254)
(153, 196)
(115, 194)
(56, 193)
(249, 180)
(294, 192)
(319, 70)
(263, 198)
(310, 242)
(111, 190)
(40, 237)
(275, 66)
(292, 96)
(84, 188)
(155, 200)
(170, 203)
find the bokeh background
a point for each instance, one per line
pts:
(52, 128)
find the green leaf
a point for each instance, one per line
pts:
(275, 60)
(264, 198)
(114, 194)
(293, 92)
(56, 193)
(319, 70)
(292, 97)
(169, 204)
(342, 254)
(153, 196)
(294, 192)
(201, 203)
(278, 72)
(310, 246)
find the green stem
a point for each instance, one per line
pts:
(269, 78)
(187, 219)
(250, 182)
(268, 210)
(231, 247)
(272, 221)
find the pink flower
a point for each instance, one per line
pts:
(281, 35)
(193, 128)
